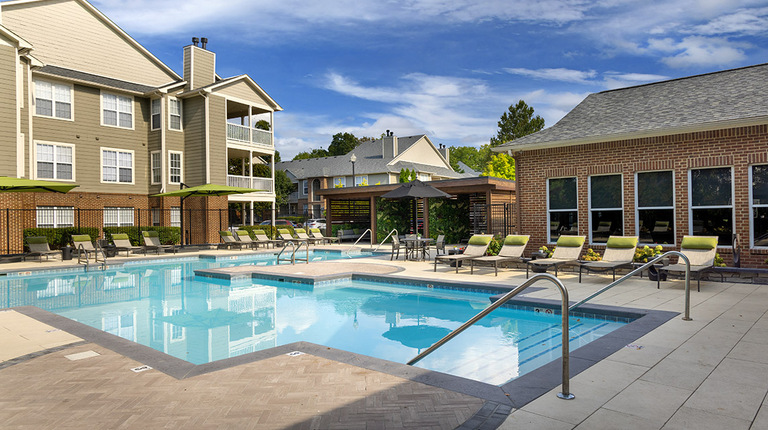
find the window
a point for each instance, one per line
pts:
(116, 166)
(758, 198)
(55, 216)
(304, 187)
(175, 216)
(606, 214)
(562, 206)
(157, 216)
(55, 161)
(174, 113)
(711, 200)
(57, 287)
(118, 217)
(120, 325)
(339, 182)
(156, 114)
(53, 100)
(117, 110)
(655, 207)
(361, 181)
(174, 167)
(177, 331)
(424, 177)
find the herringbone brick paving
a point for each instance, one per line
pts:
(302, 392)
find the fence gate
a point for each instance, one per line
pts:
(497, 218)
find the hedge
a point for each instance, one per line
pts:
(168, 235)
(61, 236)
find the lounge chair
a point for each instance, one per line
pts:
(84, 245)
(286, 236)
(511, 251)
(567, 252)
(700, 251)
(228, 240)
(619, 252)
(302, 234)
(152, 242)
(317, 234)
(476, 247)
(245, 239)
(38, 246)
(122, 243)
(261, 237)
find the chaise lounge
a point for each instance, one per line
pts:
(700, 251)
(511, 252)
(619, 252)
(567, 251)
(38, 246)
(476, 247)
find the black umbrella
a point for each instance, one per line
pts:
(415, 190)
(416, 336)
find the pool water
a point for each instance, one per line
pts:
(164, 306)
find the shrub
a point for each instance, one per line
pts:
(592, 255)
(60, 237)
(547, 251)
(719, 260)
(642, 255)
(495, 246)
(167, 235)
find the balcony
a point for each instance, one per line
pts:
(247, 135)
(265, 184)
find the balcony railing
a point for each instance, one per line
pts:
(241, 133)
(248, 182)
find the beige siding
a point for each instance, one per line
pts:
(242, 91)
(66, 34)
(383, 178)
(89, 136)
(25, 123)
(187, 73)
(8, 112)
(424, 153)
(194, 141)
(203, 67)
(218, 140)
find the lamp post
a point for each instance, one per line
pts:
(352, 160)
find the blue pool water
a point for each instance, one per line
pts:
(163, 306)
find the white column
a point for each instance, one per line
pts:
(252, 212)
(250, 169)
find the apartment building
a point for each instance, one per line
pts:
(81, 101)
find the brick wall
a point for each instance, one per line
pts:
(734, 147)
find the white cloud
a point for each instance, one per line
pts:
(609, 80)
(702, 51)
(559, 74)
(613, 80)
(742, 21)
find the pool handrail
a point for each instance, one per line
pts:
(367, 230)
(686, 317)
(565, 394)
(394, 230)
(294, 249)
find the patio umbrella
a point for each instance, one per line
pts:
(203, 190)
(416, 336)
(21, 185)
(415, 190)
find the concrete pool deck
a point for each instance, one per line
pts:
(711, 372)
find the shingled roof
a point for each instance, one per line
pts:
(702, 102)
(97, 80)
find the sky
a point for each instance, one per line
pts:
(445, 68)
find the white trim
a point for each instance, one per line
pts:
(30, 128)
(305, 187)
(363, 177)
(19, 107)
(752, 207)
(118, 151)
(172, 99)
(673, 207)
(117, 111)
(152, 155)
(248, 80)
(547, 224)
(732, 206)
(54, 144)
(181, 167)
(589, 204)
(53, 84)
(340, 180)
(208, 137)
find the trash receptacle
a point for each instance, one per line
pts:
(66, 253)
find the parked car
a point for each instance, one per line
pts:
(316, 223)
(280, 222)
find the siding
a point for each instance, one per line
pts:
(218, 140)
(243, 91)
(66, 34)
(423, 153)
(8, 114)
(88, 136)
(194, 141)
(203, 67)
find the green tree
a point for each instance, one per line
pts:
(342, 143)
(262, 124)
(315, 153)
(469, 155)
(283, 187)
(500, 166)
(517, 122)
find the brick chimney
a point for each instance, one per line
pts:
(389, 145)
(199, 65)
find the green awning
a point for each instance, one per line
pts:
(208, 190)
(21, 185)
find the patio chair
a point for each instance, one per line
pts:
(84, 245)
(317, 234)
(122, 243)
(511, 251)
(228, 240)
(152, 242)
(245, 239)
(440, 244)
(700, 251)
(619, 252)
(476, 247)
(286, 236)
(567, 252)
(302, 234)
(395, 248)
(38, 246)
(261, 237)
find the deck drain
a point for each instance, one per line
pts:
(140, 369)
(295, 354)
(82, 355)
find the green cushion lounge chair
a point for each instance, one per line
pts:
(511, 251)
(567, 252)
(700, 251)
(619, 252)
(476, 247)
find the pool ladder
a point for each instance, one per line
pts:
(99, 250)
(294, 250)
(565, 310)
(394, 230)
(354, 245)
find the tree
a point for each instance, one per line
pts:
(342, 143)
(468, 155)
(283, 187)
(501, 166)
(315, 153)
(262, 124)
(517, 122)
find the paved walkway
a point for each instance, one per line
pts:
(709, 373)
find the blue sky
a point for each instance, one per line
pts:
(445, 68)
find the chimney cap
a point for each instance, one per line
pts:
(195, 41)
(204, 41)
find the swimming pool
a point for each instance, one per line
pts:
(163, 306)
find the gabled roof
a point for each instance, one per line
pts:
(716, 100)
(229, 81)
(18, 40)
(99, 81)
